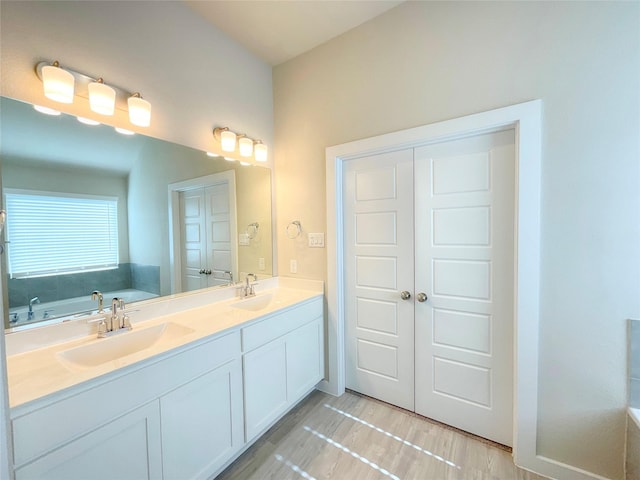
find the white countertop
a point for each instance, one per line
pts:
(39, 372)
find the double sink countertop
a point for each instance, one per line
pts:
(44, 360)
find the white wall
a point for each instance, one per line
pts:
(195, 77)
(424, 62)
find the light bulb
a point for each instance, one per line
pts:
(139, 111)
(124, 131)
(260, 151)
(102, 98)
(58, 83)
(246, 147)
(228, 140)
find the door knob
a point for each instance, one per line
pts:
(201, 272)
(404, 295)
(422, 297)
(208, 272)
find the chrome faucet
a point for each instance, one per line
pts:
(248, 290)
(115, 323)
(30, 313)
(227, 272)
(96, 295)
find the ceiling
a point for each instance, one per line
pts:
(279, 30)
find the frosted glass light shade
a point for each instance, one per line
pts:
(102, 98)
(139, 111)
(58, 84)
(246, 147)
(261, 151)
(228, 141)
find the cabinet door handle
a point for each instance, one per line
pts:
(405, 295)
(422, 297)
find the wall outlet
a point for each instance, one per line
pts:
(316, 240)
(293, 266)
(261, 263)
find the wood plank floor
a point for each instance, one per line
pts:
(357, 438)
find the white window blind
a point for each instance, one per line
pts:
(50, 233)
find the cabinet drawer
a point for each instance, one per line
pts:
(273, 327)
(87, 409)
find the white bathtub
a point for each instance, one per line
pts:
(71, 306)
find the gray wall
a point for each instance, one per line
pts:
(424, 62)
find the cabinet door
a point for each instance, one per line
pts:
(265, 386)
(305, 360)
(202, 423)
(127, 448)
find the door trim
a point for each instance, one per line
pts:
(526, 119)
(175, 241)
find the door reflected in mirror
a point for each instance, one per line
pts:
(57, 157)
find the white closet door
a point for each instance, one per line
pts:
(194, 239)
(378, 207)
(464, 222)
(219, 244)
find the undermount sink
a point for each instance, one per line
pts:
(121, 345)
(254, 303)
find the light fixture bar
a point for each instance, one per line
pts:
(246, 146)
(82, 82)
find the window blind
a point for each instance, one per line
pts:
(50, 233)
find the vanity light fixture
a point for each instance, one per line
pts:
(229, 159)
(46, 110)
(58, 83)
(87, 121)
(102, 98)
(245, 164)
(211, 154)
(139, 110)
(260, 150)
(245, 146)
(226, 137)
(124, 131)
(62, 85)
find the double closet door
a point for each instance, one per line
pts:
(207, 240)
(429, 283)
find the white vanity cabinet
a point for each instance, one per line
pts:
(182, 414)
(202, 423)
(283, 360)
(186, 413)
(126, 448)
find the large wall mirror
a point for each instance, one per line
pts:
(90, 209)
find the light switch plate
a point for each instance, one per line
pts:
(316, 240)
(293, 266)
(243, 239)
(261, 264)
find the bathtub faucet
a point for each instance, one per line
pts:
(31, 302)
(96, 295)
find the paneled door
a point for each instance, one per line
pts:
(378, 224)
(206, 236)
(456, 329)
(464, 220)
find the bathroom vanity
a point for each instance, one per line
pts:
(204, 378)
